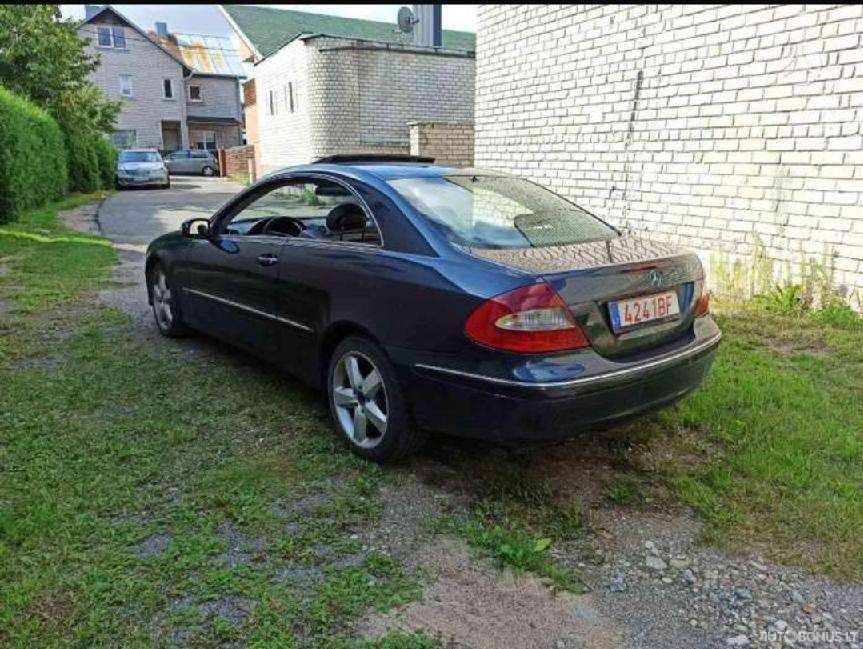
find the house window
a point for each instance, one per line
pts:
(104, 36)
(272, 103)
(119, 37)
(167, 89)
(124, 138)
(205, 140)
(195, 93)
(126, 85)
(291, 96)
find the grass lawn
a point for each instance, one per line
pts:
(146, 500)
(158, 495)
(770, 451)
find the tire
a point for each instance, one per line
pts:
(399, 437)
(167, 185)
(166, 309)
(208, 171)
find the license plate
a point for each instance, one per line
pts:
(639, 310)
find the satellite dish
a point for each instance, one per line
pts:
(406, 20)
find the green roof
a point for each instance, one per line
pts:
(268, 29)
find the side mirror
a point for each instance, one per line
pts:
(196, 228)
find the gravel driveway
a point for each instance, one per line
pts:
(131, 219)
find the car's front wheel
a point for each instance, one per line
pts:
(367, 404)
(208, 171)
(166, 310)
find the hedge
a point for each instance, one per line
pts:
(92, 161)
(32, 157)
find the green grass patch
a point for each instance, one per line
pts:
(47, 263)
(770, 450)
(146, 496)
(518, 550)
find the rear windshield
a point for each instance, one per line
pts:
(140, 156)
(500, 212)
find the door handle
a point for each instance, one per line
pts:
(268, 260)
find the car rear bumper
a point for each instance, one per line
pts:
(491, 407)
(141, 182)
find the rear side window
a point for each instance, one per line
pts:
(500, 212)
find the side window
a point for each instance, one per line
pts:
(308, 209)
(119, 37)
(125, 85)
(104, 34)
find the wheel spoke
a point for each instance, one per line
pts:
(359, 425)
(352, 369)
(345, 397)
(163, 283)
(374, 415)
(371, 384)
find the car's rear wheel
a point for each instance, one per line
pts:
(166, 310)
(208, 171)
(367, 404)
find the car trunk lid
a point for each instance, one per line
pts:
(591, 276)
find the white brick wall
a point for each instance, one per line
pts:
(707, 125)
(356, 97)
(283, 137)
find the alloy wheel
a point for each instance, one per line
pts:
(162, 300)
(360, 399)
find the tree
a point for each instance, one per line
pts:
(43, 59)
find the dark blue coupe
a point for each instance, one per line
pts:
(429, 298)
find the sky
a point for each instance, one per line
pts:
(207, 19)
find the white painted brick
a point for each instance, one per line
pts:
(747, 116)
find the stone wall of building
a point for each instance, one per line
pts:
(449, 143)
(357, 96)
(715, 126)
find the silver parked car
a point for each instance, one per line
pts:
(140, 167)
(192, 161)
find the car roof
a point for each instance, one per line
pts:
(389, 171)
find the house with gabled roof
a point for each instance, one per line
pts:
(325, 85)
(174, 92)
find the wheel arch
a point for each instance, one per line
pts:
(334, 334)
(151, 262)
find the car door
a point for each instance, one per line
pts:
(230, 280)
(323, 264)
(176, 160)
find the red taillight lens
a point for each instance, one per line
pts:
(529, 320)
(702, 305)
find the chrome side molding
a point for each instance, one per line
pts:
(248, 309)
(655, 363)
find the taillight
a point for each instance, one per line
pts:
(702, 305)
(530, 319)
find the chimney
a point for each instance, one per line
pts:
(428, 31)
(91, 10)
(162, 30)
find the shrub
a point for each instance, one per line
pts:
(92, 160)
(83, 161)
(32, 156)
(107, 162)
